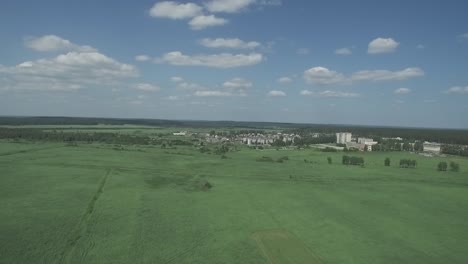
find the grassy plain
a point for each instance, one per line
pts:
(94, 204)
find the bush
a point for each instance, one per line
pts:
(265, 159)
(454, 166)
(442, 166)
(224, 156)
(407, 163)
(347, 160)
(387, 162)
(329, 159)
(284, 158)
(329, 149)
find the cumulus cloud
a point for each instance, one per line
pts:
(402, 91)
(284, 80)
(237, 83)
(223, 60)
(276, 93)
(302, 51)
(212, 94)
(382, 45)
(175, 10)
(457, 90)
(343, 51)
(66, 72)
(55, 43)
(385, 75)
(177, 79)
(329, 93)
(202, 21)
(230, 43)
(146, 87)
(322, 75)
(464, 36)
(228, 6)
(142, 58)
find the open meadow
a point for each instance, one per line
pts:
(93, 203)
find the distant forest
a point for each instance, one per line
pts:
(446, 136)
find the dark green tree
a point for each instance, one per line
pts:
(454, 166)
(387, 162)
(442, 166)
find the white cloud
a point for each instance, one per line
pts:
(142, 58)
(223, 60)
(303, 51)
(275, 93)
(464, 36)
(146, 87)
(212, 94)
(343, 51)
(237, 83)
(382, 45)
(402, 91)
(322, 75)
(187, 86)
(228, 6)
(202, 21)
(457, 90)
(231, 43)
(66, 72)
(55, 43)
(175, 10)
(172, 98)
(177, 79)
(385, 75)
(420, 46)
(329, 93)
(284, 80)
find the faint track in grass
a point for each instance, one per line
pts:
(82, 227)
(27, 151)
(306, 178)
(187, 251)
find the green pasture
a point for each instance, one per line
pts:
(92, 203)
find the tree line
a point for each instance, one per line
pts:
(352, 160)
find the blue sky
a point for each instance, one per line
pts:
(395, 63)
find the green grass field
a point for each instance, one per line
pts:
(94, 204)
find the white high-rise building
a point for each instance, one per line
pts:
(343, 137)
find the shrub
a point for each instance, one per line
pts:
(407, 163)
(387, 162)
(454, 166)
(284, 158)
(265, 159)
(329, 159)
(347, 160)
(442, 166)
(329, 149)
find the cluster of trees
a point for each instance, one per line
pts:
(408, 163)
(442, 166)
(329, 149)
(351, 160)
(269, 159)
(447, 136)
(68, 137)
(308, 139)
(397, 145)
(454, 150)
